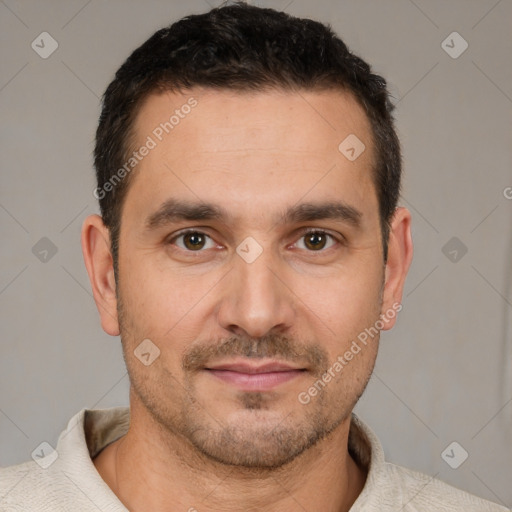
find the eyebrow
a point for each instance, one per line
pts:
(173, 210)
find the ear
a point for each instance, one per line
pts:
(100, 267)
(400, 250)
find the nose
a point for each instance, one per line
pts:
(256, 298)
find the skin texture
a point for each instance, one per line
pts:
(196, 440)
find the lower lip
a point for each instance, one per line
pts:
(255, 381)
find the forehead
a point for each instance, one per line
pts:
(257, 148)
(330, 114)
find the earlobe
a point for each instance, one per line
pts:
(400, 251)
(99, 264)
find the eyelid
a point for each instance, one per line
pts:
(313, 229)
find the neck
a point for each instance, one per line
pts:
(153, 469)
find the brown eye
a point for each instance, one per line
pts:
(317, 240)
(193, 241)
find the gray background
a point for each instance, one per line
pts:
(443, 374)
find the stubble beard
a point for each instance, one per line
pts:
(262, 441)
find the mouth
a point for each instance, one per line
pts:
(248, 376)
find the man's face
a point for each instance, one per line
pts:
(250, 287)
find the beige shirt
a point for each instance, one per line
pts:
(65, 479)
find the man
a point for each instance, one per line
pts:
(249, 252)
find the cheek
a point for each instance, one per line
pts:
(344, 303)
(161, 302)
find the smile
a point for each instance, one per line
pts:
(250, 377)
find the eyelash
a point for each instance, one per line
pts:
(305, 232)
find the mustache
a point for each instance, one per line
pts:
(312, 357)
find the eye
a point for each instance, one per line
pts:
(316, 240)
(193, 241)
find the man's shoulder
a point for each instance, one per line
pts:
(422, 493)
(23, 485)
(28, 487)
(391, 487)
(65, 478)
